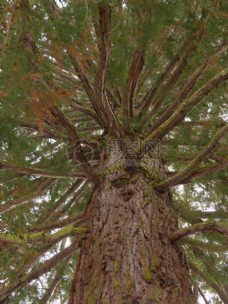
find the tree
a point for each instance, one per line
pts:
(113, 151)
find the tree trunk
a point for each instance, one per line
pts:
(127, 257)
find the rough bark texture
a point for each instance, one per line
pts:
(128, 258)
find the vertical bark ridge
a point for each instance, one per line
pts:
(128, 258)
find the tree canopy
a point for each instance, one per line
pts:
(77, 74)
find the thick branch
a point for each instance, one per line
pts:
(24, 239)
(99, 102)
(205, 226)
(95, 102)
(11, 240)
(104, 30)
(106, 113)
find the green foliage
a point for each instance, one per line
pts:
(40, 41)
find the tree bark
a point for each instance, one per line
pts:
(128, 257)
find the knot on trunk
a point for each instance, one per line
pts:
(128, 193)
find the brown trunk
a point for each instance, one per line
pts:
(127, 257)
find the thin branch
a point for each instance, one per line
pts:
(111, 95)
(190, 214)
(43, 186)
(188, 171)
(37, 172)
(44, 133)
(74, 103)
(215, 286)
(210, 170)
(188, 87)
(174, 68)
(75, 140)
(188, 49)
(187, 143)
(34, 274)
(196, 216)
(78, 67)
(87, 87)
(134, 72)
(203, 172)
(210, 267)
(145, 103)
(76, 219)
(206, 246)
(66, 75)
(202, 295)
(217, 156)
(9, 26)
(183, 109)
(47, 295)
(204, 123)
(205, 226)
(199, 253)
(31, 259)
(70, 191)
(57, 215)
(212, 214)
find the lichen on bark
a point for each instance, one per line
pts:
(127, 256)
